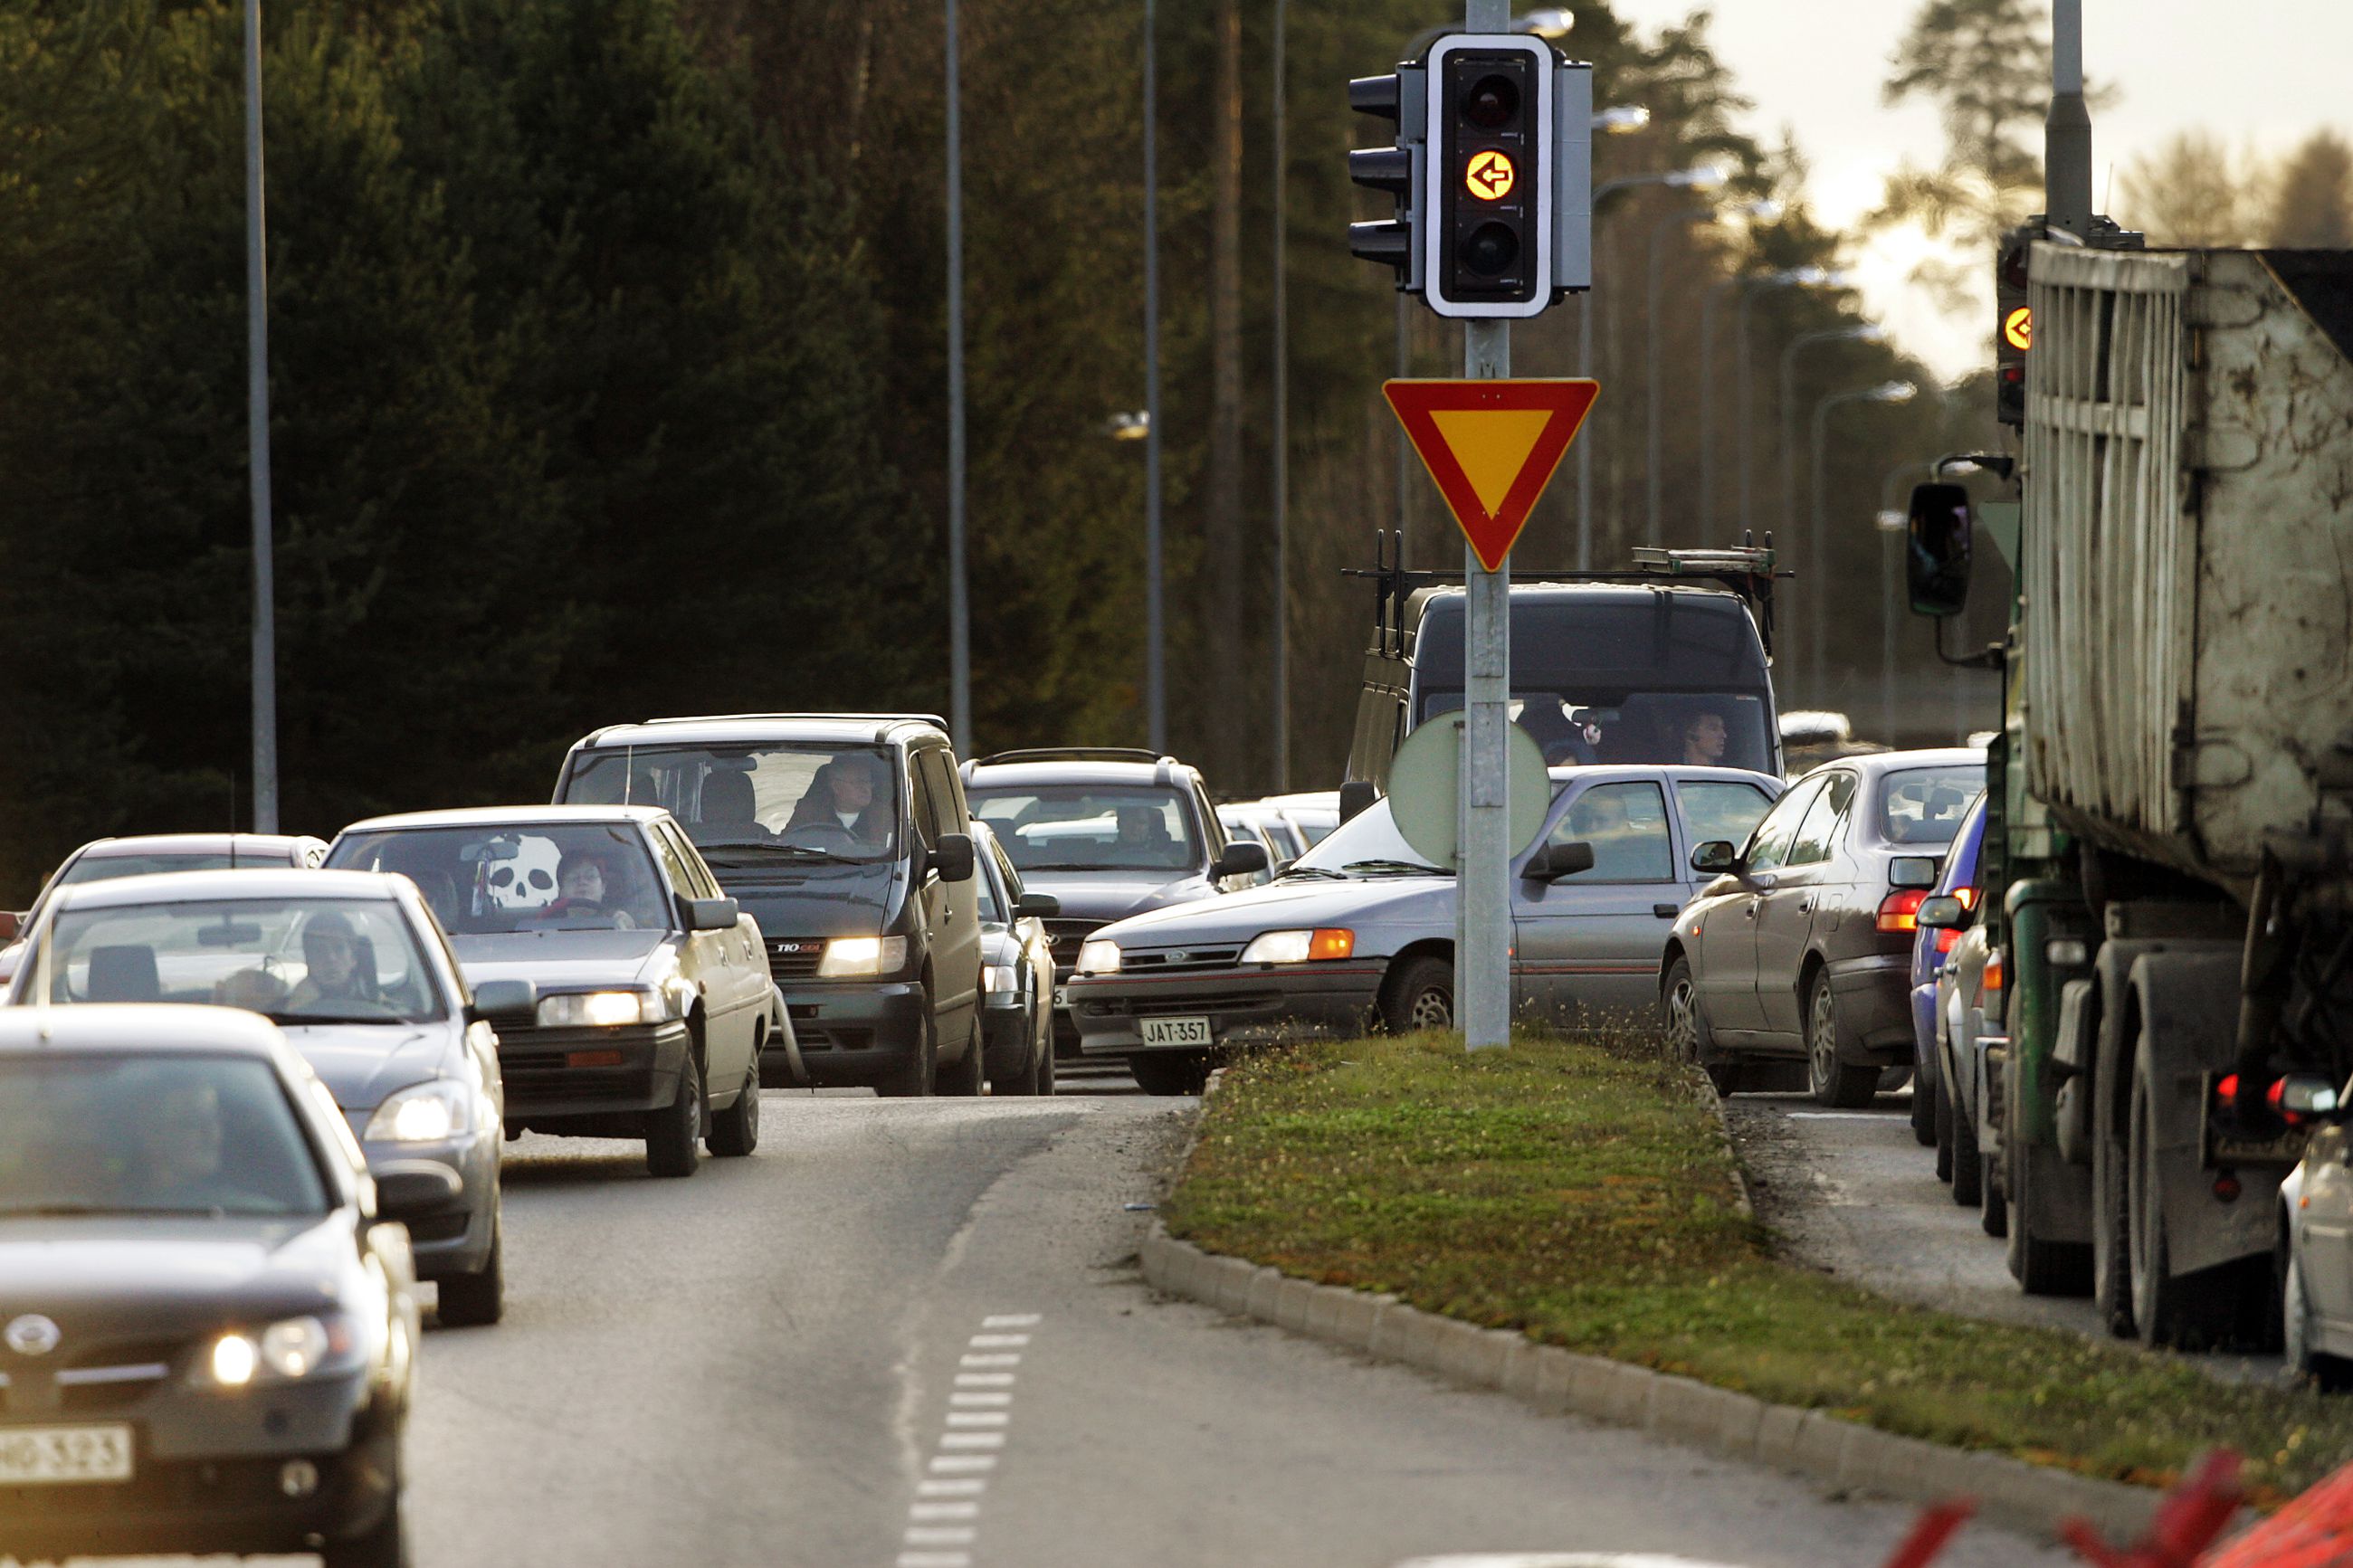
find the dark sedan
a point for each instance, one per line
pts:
(207, 1316)
(1798, 953)
(1017, 973)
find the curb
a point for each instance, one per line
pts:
(1810, 1443)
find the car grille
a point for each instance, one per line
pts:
(1181, 1006)
(105, 1376)
(794, 957)
(1178, 959)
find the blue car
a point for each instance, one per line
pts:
(1929, 951)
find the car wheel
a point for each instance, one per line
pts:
(384, 1545)
(1678, 1011)
(1419, 995)
(912, 1080)
(1833, 1082)
(674, 1134)
(1924, 1090)
(1033, 1077)
(477, 1299)
(1044, 1045)
(1994, 1220)
(735, 1132)
(964, 1077)
(1969, 1166)
(1943, 1111)
(1170, 1072)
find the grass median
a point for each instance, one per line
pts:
(1581, 1192)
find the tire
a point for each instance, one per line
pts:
(1943, 1112)
(477, 1299)
(1418, 994)
(2041, 1267)
(1681, 1013)
(1170, 1072)
(2169, 1311)
(964, 1077)
(915, 1078)
(2111, 1246)
(674, 1134)
(735, 1132)
(1926, 1090)
(1030, 1081)
(1968, 1164)
(385, 1544)
(1994, 1219)
(1832, 1082)
(1043, 1044)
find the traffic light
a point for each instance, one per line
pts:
(1395, 170)
(2013, 324)
(1487, 240)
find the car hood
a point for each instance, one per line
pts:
(560, 960)
(1114, 895)
(814, 898)
(361, 1063)
(167, 1277)
(1284, 906)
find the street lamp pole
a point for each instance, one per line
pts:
(959, 583)
(1818, 540)
(1806, 277)
(1281, 398)
(1156, 693)
(1655, 528)
(256, 350)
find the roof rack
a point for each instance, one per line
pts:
(1747, 570)
(932, 719)
(1073, 755)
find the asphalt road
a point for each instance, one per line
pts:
(910, 1334)
(1853, 1193)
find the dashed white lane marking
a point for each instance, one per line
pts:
(973, 1431)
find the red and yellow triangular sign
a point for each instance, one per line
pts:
(1492, 445)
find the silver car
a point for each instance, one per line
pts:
(1361, 929)
(355, 974)
(146, 854)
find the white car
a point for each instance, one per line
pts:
(2316, 1259)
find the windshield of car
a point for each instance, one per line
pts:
(777, 800)
(1583, 726)
(107, 868)
(1091, 828)
(297, 960)
(1368, 845)
(1925, 806)
(139, 1134)
(539, 877)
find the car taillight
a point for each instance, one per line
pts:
(1968, 896)
(1992, 981)
(1899, 911)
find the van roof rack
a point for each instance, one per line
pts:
(1747, 570)
(1073, 755)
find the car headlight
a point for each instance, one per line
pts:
(996, 980)
(606, 1009)
(427, 1113)
(1099, 957)
(285, 1352)
(1300, 946)
(862, 957)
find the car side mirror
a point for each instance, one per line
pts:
(1038, 906)
(1356, 796)
(2310, 1094)
(1945, 912)
(408, 1189)
(1939, 529)
(1914, 872)
(951, 858)
(505, 1004)
(1715, 856)
(708, 914)
(1239, 859)
(1551, 862)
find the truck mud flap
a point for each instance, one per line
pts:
(2188, 1004)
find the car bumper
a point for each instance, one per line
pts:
(209, 1476)
(856, 1032)
(1243, 1007)
(590, 1081)
(456, 1237)
(1875, 1007)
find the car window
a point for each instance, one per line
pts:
(1088, 828)
(294, 959)
(752, 804)
(681, 879)
(537, 877)
(1825, 822)
(926, 808)
(1626, 826)
(1925, 806)
(704, 884)
(994, 909)
(1006, 874)
(1715, 809)
(107, 868)
(1769, 849)
(940, 781)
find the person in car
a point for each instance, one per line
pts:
(846, 797)
(1145, 840)
(182, 1157)
(1704, 738)
(585, 893)
(339, 969)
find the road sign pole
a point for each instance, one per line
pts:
(1484, 977)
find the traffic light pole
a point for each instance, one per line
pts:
(1482, 980)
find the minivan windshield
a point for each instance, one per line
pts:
(747, 804)
(297, 961)
(1089, 827)
(135, 1134)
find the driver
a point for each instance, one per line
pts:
(1704, 738)
(1140, 829)
(848, 795)
(333, 951)
(581, 881)
(181, 1154)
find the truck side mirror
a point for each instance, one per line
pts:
(1939, 529)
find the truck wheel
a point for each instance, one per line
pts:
(1969, 1166)
(2041, 1267)
(1418, 994)
(1924, 1093)
(2166, 1308)
(1832, 1081)
(2112, 1289)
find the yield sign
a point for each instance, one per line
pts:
(1492, 445)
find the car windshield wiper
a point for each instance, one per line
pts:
(293, 1019)
(747, 851)
(1084, 866)
(1303, 872)
(1396, 868)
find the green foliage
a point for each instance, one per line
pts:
(1985, 66)
(1581, 1192)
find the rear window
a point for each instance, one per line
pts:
(1925, 806)
(107, 868)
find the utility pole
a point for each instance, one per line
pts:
(1281, 671)
(1156, 684)
(256, 351)
(2067, 132)
(959, 584)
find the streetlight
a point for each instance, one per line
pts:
(1818, 541)
(1701, 177)
(959, 584)
(1866, 334)
(1156, 693)
(1763, 211)
(256, 386)
(1654, 525)
(1279, 675)
(1798, 277)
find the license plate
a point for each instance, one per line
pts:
(1178, 1032)
(1061, 996)
(40, 1455)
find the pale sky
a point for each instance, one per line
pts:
(2264, 73)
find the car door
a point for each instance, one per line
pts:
(1725, 973)
(951, 909)
(1787, 912)
(725, 963)
(1590, 941)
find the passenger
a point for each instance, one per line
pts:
(1705, 737)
